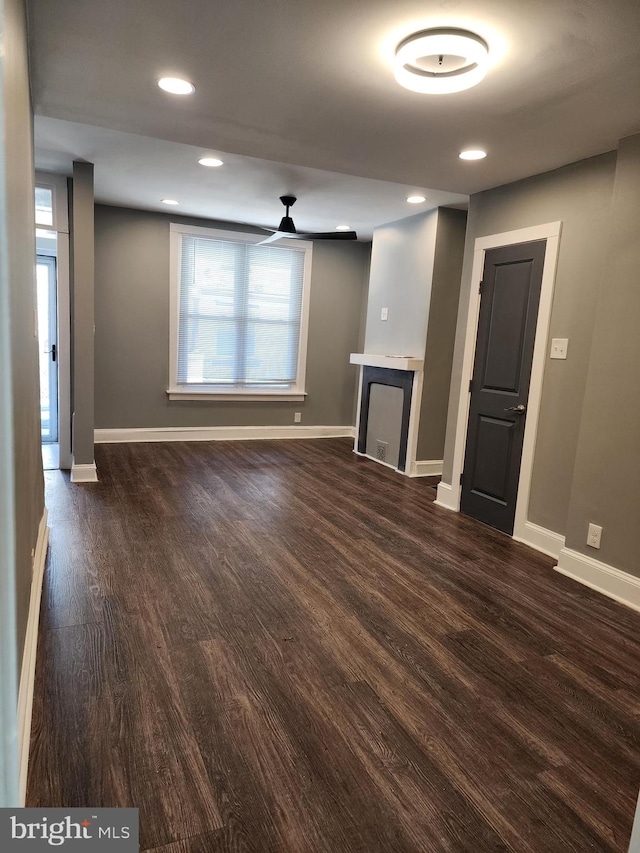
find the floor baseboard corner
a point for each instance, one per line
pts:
(540, 538)
(445, 497)
(612, 582)
(86, 473)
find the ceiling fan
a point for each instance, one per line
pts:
(288, 229)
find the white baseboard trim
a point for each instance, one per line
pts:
(236, 433)
(445, 497)
(84, 473)
(612, 582)
(547, 541)
(28, 669)
(426, 468)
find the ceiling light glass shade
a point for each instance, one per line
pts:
(176, 86)
(473, 154)
(170, 201)
(441, 61)
(210, 161)
(416, 199)
(343, 228)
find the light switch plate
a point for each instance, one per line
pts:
(384, 314)
(559, 347)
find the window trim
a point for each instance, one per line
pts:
(185, 392)
(58, 186)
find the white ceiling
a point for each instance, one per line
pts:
(139, 171)
(309, 84)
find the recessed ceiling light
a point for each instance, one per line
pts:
(343, 228)
(473, 154)
(170, 201)
(440, 61)
(416, 199)
(176, 86)
(210, 161)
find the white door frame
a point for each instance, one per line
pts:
(58, 186)
(449, 494)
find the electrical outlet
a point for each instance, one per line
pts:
(559, 347)
(381, 450)
(384, 314)
(593, 536)
(297, 417)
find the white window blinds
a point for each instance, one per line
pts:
(239, 314)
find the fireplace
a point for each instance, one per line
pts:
(401, 372)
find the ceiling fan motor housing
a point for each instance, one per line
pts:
(286, 223)
(287, 226)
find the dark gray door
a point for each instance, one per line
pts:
(510, 295)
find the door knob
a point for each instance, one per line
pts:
(519, 410)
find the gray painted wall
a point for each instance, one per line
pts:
(132, 331)
(82, 283)
(606, 482)
(400, 280)
(9, 773)
(441, 332)
(29, 488)
(385, 421)
(21, 479)
(580, 196)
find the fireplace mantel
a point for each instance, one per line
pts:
(394, 362)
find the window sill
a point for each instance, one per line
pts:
(237, 396)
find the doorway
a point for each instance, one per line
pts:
(54, 332)
(450, 492)
(47, 303)
(510, 294)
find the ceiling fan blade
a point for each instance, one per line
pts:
(331, 235)
(277, 235)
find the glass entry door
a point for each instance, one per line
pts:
(48, 345)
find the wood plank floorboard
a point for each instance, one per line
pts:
(282, 647)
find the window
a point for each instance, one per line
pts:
(44, 206)
(239, 314)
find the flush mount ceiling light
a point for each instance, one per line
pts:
(416, 199)
(212, 162)
(472, 154)
(440, 61)
(170, 201)
(343, 228)
(176, 86)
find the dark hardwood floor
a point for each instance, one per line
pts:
(280, 646)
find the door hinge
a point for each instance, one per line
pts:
(461, 479)
(481, 286)
(470, 385)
